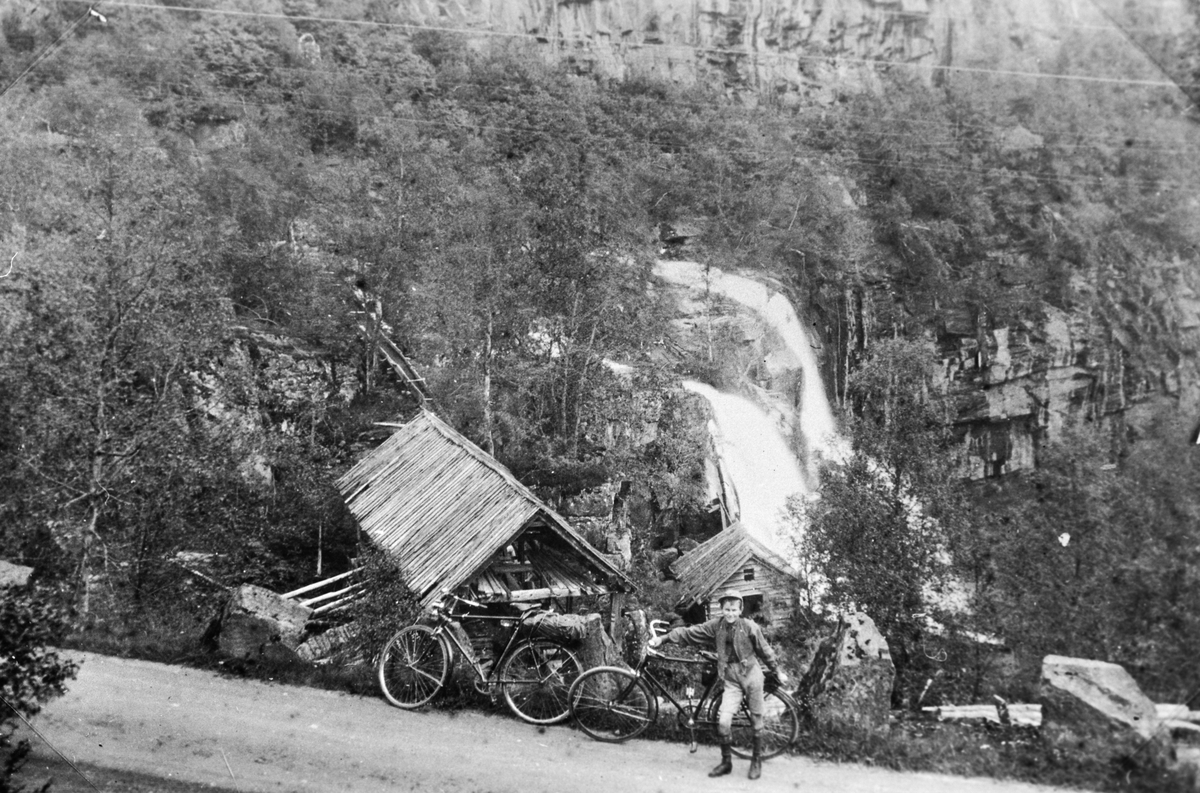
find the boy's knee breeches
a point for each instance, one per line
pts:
(741, 681)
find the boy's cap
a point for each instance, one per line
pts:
(729, 594)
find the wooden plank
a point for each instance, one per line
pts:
(330, 595)
(520, 595)
(488, 584)
(318, 584)
(1019, 713)
(1176, 711)
(337, 605)
(511, 567)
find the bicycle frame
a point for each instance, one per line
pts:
(691, 711)
(443, 618)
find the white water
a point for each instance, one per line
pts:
(753, 437)
(755, 456)
(816, 416)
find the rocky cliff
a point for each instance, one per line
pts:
(813, 48)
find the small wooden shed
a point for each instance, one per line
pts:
(734, 559)
(456, 520)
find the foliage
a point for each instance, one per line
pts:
(983, 749)
(878, 538)
(1094, 555)
(387, 606)
(31, 621)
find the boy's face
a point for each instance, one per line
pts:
(731, 609)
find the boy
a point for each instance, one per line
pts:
(740, 646)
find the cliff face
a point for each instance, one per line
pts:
(793, 48)
(1126, 363)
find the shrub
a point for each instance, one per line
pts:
(30, 674)
(386, 605)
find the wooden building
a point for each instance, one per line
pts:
(734, 559)
(456, 520)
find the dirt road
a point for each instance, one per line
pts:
(188, 725)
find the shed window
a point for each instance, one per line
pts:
(748, 574)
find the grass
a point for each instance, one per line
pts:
(987, 749)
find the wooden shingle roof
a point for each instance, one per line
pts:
(441, 507)
(707, 566)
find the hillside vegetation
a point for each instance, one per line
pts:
(190, 200)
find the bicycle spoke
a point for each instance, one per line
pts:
(611, 705)
(781, 725)
(413, 666)
(422, 673)
(618, 709)
(535, 679)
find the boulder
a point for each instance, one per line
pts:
(1095, 709)
(848, 685)
(14, 574)
(257, 623)
(665, 558)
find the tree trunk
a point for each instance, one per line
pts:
(598, 648)
(587, 357)
(84, 583)
(489, 442)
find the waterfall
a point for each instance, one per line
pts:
(753, 437)
(760, 465)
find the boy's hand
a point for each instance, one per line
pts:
(655, 641)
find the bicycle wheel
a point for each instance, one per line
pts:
(535, 678)
(611, 704)
(413, 666)
(781, 724)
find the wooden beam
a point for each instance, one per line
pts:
(519, 595)
(336, 605)
(318, 584)
(330, 595)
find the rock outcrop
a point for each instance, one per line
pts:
(848, 686)
(258, 624)
(14, 574)
(1095, 709)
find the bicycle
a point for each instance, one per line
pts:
(533, 675)
(612, 704)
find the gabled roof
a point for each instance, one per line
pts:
(710, 564)
(441, 507)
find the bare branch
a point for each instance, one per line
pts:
(10, 266)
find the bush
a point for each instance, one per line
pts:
(30, 674)
(386, 605)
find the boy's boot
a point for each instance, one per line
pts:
(756, 758)
(726, 765)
